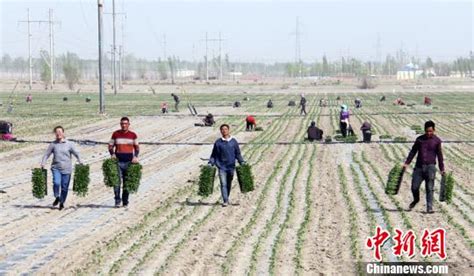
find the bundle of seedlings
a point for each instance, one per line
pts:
(328, 139)
(258, 128)
(394, 181)
(132, 178)
(400, 139)
(39, 179)
(417, 128)
(110, 170)
(245, 177)
(291, 103)
(385, 136)
(446, 188)
(81, 179)
(206, 180)
(347, 139)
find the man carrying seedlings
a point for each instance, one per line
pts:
(176, 101)
(61, 167)
(303, 105)
(428, 147)
(344, 120)
(314, 133)
(123, 146)
(251, 123)
(226, 150)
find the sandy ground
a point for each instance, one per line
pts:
(296, 221)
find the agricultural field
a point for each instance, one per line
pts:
(313, 207)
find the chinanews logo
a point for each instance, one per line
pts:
(432, 244)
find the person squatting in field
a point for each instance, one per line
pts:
(251, 123)
(124, 147)
(344, 120)
(61, 166)
(314, 133)
(428, 147)
(224, 153)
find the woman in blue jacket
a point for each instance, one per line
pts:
(226, 150)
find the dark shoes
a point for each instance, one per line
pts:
(61, 206)
(412, 205)
(56, 202)
(430, 211)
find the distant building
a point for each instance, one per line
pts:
(409, 72)
(185, 73)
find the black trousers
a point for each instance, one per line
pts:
(367, 135)
(343, 126)
(250, 126)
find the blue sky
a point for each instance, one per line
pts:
(253, 30)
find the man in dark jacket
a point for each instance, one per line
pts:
(303, 105)
(209, 120)
(176, 101)
(226, 150)
(314, 133)
(270, 103)
(366, 131)
(428, 147)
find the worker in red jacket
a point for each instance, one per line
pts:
(251, 123)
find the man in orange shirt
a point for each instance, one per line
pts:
(124, 147)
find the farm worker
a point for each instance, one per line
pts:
(427, 100)
(303, 104)
(29, 98)
(382, 99)
(428, 147)
(366, 131)
(164, 107)
(358, 103)
(344, 120)
(209, 120)
(61, 167)
(251, 123)
(124, 147)
(226, 150)
(314, 133)
(270, 103)
(176, 101)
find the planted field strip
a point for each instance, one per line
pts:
(354, 221)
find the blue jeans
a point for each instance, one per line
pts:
(226, 184)
(122, 167)
(60, 182)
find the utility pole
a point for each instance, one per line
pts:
(30, 61)
(207, 40)
(220, 57)
(207, 63)
(120, 65)
(100, 4)
(114, 48)
(164, 48)
(297, 34)
(51, 46)
(378, 54)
